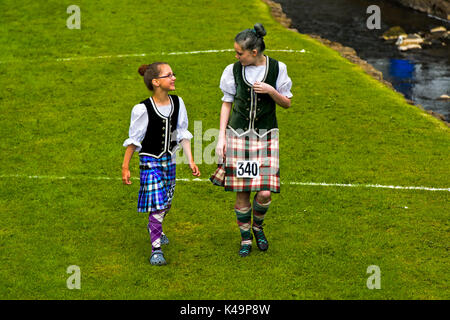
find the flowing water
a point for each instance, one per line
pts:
(422, 75)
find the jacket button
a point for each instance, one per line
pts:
(259, 99)
(256, 119)
(248, 99)
(247, 118)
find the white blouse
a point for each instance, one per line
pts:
(139, 122)
(253, 74)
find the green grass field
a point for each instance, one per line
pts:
(69, 119)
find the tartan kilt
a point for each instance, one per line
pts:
(157, 180)
(250, 147)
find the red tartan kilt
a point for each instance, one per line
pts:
(250, 147)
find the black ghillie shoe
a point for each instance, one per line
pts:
(261, 240)
(245, 250)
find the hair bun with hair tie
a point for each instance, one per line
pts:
(259, 30)
(256, 33)
(142, 69)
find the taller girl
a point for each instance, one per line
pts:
(248, 141)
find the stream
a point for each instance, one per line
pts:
(422, 75)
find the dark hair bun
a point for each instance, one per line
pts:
(142, 69)
(259, 29)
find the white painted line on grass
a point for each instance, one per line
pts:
(170, 54)
(158, 54)
(367, 186)
(319, 184)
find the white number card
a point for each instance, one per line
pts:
(247, 169)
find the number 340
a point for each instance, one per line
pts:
(247, 169)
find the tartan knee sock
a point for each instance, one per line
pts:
(244, 217)
(259, 212)
(155, 226)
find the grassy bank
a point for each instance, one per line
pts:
(70, 118)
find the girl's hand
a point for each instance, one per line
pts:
(221, 150)
(262, 87)
(126, 176)
(194, 169)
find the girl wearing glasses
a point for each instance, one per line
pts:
(158, 125)
(248, 141)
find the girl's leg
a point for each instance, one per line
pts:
(243, 211)
(242, 199)
(261, 204)
(155, 228)
(170, 193)
(163, 239)
(155, 219)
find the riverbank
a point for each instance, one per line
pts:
(437, 8)
(346, 52)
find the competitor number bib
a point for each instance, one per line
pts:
(247, 169)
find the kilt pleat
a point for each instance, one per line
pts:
(157, 183)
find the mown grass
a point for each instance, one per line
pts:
(70, 119)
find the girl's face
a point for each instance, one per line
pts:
(245, 57)
(166, 79)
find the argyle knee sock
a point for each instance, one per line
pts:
(244, 217)
(155, 227)
(259, 213)
(166, 211)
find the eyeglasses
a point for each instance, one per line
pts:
(171, 75)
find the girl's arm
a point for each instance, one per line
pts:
(186, 144)
(283, 101)
(126, 164)
(136, 133)
(221, 147)
(184, 137)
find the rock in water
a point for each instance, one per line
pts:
(412, 41)
(439, 32)
(414, 38)
(444, 97)
(393, 33)
(438, 29)
(409, 47)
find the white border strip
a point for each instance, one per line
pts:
(157, 54)
(205, 180)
